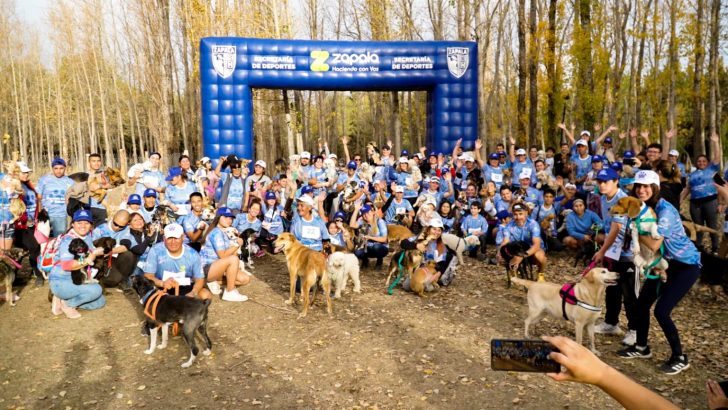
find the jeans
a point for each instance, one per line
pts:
(622, 291)
(680, 278)
(88, 296)
(373, 250)
(59, 225)
(705, 212)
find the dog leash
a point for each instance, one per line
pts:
(394, 284)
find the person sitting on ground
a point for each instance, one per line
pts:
(434, 251)
(399, 211)
(251, 220)
(67, 296)
(373, 231)
(220, 259)
(528, 232)
(149, 205)
(338, 234)
(172, 263)
(122, 265)
(272, 225)
(193, 224)
(580, 224)
(548, 208)
(447, 214)
(140, 242)
(475, 224)
(506, 199)
(178, 191)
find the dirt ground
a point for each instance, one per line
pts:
(377, 351)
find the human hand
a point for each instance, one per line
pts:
(714, 137)
(169, 283)
(670, 133)
(633, 133)
(612, 128)
(478, 144)
(587, 237)
(597, 127)
(423, 150)
(239, 241)
(192, 294)
(579, 363)
(511, 140)
(622, 135)
(598, 257)
(344, 139)
(573, 126)
(716, 396)
(562, 126)
(645, 134)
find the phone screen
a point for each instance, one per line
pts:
(522, 356)
(718, 179)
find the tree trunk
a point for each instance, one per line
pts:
(532, 74)
(521, 104)
(554, 82)
(698, 140)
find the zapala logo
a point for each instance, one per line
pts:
(352, 59)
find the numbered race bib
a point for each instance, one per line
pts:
(179, 277)
(614, 251)
(401, 211)
(473, 231)
(526, 171)
(310, 232)
(497, 178)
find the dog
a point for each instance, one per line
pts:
(545, 179)
(398, 233)
(93, 186)
(341, 266)
(307, 264)
(691, 228)
(424, 279)
(8, 271)
(546, 222)
(458, 244)
(191, 312)
(643, 255)
(544, 299)
(80, 251)
(511, 249)
(404, 219)
(585, 253)
(330, 167)
(350, 190)
(414, 169)
(366, 172)
(408, 259)
(248, 249)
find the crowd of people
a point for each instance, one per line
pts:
(185, 225)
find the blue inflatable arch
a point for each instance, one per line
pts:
(230, 67)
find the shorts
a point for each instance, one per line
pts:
(8, 231)
(183, 290)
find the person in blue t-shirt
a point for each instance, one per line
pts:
(475, 225)
(149, 205)
(148, 176)
(580, 224)
(177, 193)
(51, 192)
(526, 231)
(373, 230)
(192, 223)
(272, 224)
(307, 228)
(171, 263)
(338, 234)
(220, 258)
(703, 196)
(98, 210)
(232, 185)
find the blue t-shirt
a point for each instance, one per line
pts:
(701, 182)
(583, 166)
(180, 195)
(579, 226)
(216, 241)
(105, 231)
(396, 208)
(518, 167)
(29, 198)
(241, 223)
(273, 217)
(189, 224)
(623, 221)
(474, 225)
(494, 174)
(381, 231)
(155, 179)
(310, 233)
(676, 243)
(159, 261)
(53, 194)
(525, 233)
(236, 192)
(404, 179)
(63, 255)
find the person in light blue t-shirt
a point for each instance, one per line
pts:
(51, 192)
(148, 176)
(172, 262)
(703, 196)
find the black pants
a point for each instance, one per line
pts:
(121, 268)
(680, 278)
(622, 292)
(24, 239)
(265, 240)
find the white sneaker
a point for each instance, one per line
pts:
(214, 287)
(630, 338)
(56, 306)
(607, 329)
(233, 296)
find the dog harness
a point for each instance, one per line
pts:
(638, 222)
(568, 295)
(151, 301)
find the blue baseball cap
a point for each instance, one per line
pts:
(494, 155)
(404, 153)
(225, 211)
(432, 154)
(607, 174)
(608, 140)
(58, 161)
(307, 189)
(82, 215)
(617, 166)
(628, 154)
(150, 192)
(364, 209)
(339, 215)
(270, 195)
(596, 158)
(503, 215)
(501, 154)
(134, 199)
(173, 172)
(351, 165)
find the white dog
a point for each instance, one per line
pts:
(341, 266)
(458, 244)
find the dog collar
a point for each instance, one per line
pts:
(144, 298)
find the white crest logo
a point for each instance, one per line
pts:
(458, 59)
(223, 60)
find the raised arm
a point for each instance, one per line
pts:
(512, 149)
(606, 132)
(569, 134)
(345, 142)
(478, 147)
(715, 148)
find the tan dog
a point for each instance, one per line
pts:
(398, 233)
(411, 260)
(692, 229)
(643, 255)
(307, 264)
(546, 223)
(424, 279)
(544, 299)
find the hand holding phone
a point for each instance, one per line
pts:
(523, 356)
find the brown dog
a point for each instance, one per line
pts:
(544, 299)
(424, 278)
(307, 264)
(398, 233)
(408, 259)
(644, 257)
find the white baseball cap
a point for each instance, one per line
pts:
(333, 156)
(582, 142)
(306, 154)
(23, 166)
(402, 160)
(647, 177)
(569, 185)
(173, 231)
(261, 163)
(306, 200)
(520, 151)
(398, 188)
(588, 134)
(524, 175)
(466, 158)
(204, 160)
(436, 223)
(673, 153)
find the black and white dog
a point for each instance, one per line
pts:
(191, 312)
(249, 248)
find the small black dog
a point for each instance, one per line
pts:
(248, 249)
(585, 253)
(190, 311)
(79, 249)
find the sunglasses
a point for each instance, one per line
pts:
(117, 225)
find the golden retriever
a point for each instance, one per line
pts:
(307, 264)
(544, 299)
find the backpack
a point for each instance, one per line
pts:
(49, 251)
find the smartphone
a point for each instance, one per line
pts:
(629, 161)
(522, 356)
(724, 385)
(718, 179)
